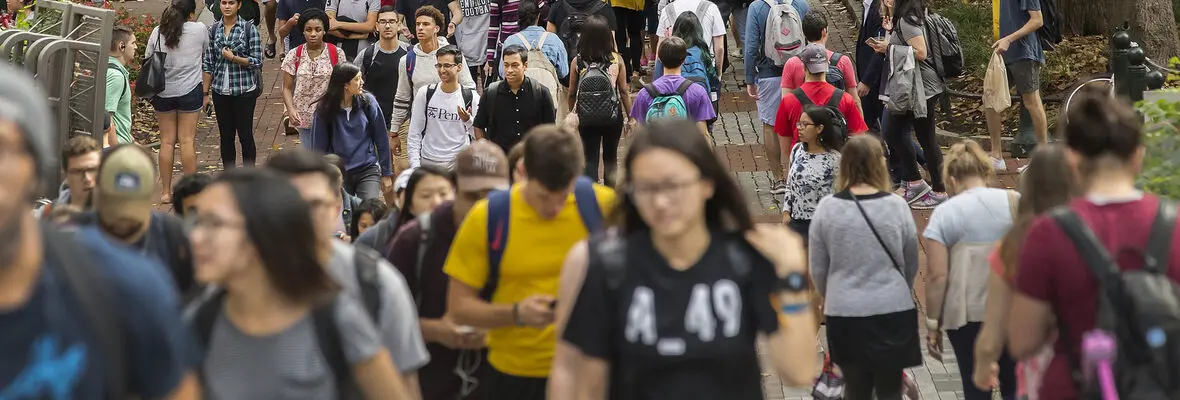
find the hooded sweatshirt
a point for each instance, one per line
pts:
(424, 74)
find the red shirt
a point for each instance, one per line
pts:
(793, 72)
(1052, 271)
(819, 93)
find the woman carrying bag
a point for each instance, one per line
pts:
(864, 246)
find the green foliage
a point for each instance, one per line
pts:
(1161, 138)
(974, 22)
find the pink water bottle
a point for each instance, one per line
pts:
(1099, 351)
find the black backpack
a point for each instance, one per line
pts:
(1049, 34)
(598, 98)
(571, 28)
(1138, 309)
(942, 40)
(833, 105)
(834, 75)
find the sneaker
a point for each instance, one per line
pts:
(914, 191)
(999, 165)
(929, 201)
(779, 187)
(643, 62)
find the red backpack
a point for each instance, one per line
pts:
(332, 53)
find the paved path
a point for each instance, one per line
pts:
(738, 142)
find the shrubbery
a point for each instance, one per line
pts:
(1161, 165)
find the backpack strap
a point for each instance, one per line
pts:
(834, 101)
(126, 81)
(429, 95)
(702, 8)
(541, 41)
(1159, 242)
(180, 262)
(587, 202)
(366, 262)
(524, 42)
(331, 344)
(490, 92)
(802, 97)
(333, 55)
(370, 55)
(298, 56)
(425, 240)
(76, 267)
(684, 86)
(652, 91)
(411, 61)
(834, 60)
(206, 317)
(1092, 251)
(499, 210)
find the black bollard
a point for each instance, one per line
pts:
(1136, 74)
(1155, 80)
(1120, 43)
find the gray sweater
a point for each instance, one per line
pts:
(848, 265)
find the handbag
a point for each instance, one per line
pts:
(892, 259)
(829, 385)
(150, 81)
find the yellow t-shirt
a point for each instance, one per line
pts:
(533, 256)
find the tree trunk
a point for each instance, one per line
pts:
(1152, 23)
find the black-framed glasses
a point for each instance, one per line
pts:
(801, 124)
(649, 191)
(445, 65)
(387, 22)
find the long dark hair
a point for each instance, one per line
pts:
(420, 173)
(173, 19)
(830, 138)
(278, 224)
(688, 28)
(1048, 182)
(374, 207)
(329, 104)
(726, 210)
(595, 42)
(912, 11)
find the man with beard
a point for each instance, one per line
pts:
(81, 318)
(123, 212)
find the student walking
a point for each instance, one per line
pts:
(348, 123)
(379, 63)
(678, 254)
(841, 73)
(629, 34)
(511, 108)
(306, 72)
(909, 19)
(672, 95)
(177, 106)
(600, 98)
(257, 332)
(441, 118)
(815, 90)
(959, 236)
(811, 173)
(507, 286)
(864, 257)
(764, 69)
(427, 188)
(418, 69)
(232, 62)
(698, 64)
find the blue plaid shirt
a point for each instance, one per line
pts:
(231, 79)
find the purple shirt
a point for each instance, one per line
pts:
(696, 98)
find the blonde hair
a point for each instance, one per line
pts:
(967, 159)
(862, 161)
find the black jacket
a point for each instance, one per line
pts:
(869, 64)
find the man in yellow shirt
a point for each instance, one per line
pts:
(506, 260)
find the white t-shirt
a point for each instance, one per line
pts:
(445, 132)
(711, 22)
(182, 67)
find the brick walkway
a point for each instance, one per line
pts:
(738, 142)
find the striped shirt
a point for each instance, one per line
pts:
(231, 79)
(505, 22)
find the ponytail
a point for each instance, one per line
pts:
(173, 19)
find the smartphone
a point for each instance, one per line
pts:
(209, 110)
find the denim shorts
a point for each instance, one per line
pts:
(189, 103)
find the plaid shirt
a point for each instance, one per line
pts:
(231, 79)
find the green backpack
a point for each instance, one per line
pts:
(668, 105)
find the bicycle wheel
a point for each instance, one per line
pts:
(1102, 84)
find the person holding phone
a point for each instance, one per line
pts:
(231, 66)
(441, 116)
(870, 64)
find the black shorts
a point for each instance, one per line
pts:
(188, 103)
(500, 386)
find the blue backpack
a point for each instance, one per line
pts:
(669, 105)
(499, 213)
(695, 69)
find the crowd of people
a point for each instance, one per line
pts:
(324, 272)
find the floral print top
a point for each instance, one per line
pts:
(809, 179)
(311, 80)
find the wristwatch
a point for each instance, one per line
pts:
(794, 282)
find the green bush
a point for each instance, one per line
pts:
(974, 23)
(1161, 164)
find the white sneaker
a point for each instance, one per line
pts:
(998, 164)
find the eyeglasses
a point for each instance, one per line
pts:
(387, 22)
(648, 192)
(209, 222)
(445, 65)
(801, 124)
